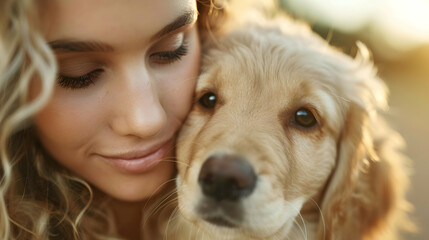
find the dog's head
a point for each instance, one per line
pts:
(278, 124)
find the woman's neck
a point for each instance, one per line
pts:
(128, 218)
(144, 219)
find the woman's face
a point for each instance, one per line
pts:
(127, 71)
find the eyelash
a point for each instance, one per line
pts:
(170, 56)
(81, 81)
(86, 80)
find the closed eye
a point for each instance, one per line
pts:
(168, 57)
(79, 82)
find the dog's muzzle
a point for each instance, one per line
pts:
(224, 181)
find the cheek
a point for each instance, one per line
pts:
(186, 147)
(178, 81)
(66, 125)
(315, 161)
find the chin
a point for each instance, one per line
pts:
(141, 187)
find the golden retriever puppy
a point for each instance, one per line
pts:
(285, 141)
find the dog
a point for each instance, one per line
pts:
(285, 141)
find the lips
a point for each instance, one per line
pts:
(138, 161)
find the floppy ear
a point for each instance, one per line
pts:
(348, 199)
(365, 194)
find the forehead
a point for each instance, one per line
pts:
(108, 20)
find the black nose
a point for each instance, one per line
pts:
(227, 177)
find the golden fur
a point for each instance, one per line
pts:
(344, 178)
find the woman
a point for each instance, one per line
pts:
(92, 96)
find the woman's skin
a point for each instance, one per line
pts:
(127, 73)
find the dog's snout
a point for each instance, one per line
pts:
(227, 177)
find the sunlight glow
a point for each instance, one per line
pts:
(344, 15)
(398, 24)
(404, 23)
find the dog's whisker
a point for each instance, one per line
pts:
(157, 189)
(170, 219)
(331, 92)
(305, 227)
(174, 147)
(321, 216)
(304, 231)
(183, 163)
(299, 227)
(160, 203)
(195, 143)
(165, 202)
(175, 160)
(155, 206)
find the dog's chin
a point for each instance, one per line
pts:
(246, 218)
(223, 228)
(224, 223)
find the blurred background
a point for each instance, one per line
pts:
(397, 33)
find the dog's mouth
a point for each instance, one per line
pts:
(221, 213)
(220, 221)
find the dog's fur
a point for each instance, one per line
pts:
(343, 178)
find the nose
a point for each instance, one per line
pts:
(138, 110)
(227, 177)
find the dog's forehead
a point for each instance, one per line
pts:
(270, 65)
(278, 69)
(270, 61)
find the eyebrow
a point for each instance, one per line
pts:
(71, 45)
(185, 19)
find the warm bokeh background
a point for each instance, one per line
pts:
(397, 33)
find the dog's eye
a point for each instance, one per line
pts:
(305, 118)
(208, 100)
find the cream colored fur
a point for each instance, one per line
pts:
(345, 178)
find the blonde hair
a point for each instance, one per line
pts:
(39, 199)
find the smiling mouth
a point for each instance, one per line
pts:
(135, 162)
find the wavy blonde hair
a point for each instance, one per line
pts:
(39, 199)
